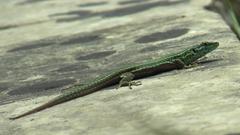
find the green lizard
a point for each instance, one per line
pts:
(124, 76)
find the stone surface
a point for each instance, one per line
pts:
(47, 45)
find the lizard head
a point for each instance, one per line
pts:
(204, 48)
(198, 51)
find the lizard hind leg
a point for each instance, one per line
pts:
(127, 80)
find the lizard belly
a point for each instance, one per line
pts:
(155, 70)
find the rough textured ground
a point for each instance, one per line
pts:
(47, 45)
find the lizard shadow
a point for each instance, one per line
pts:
(233, 134)
(209, 63)
(204, 62)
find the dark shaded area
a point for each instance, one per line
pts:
(32, 45)
(93, 4)
(211, 7)
(131, 2)
(81, 39)
(7, 27)
(233, 134)
(31, 2)
(3, 87)
(6, 100)
(96, 55)
(83, 14)
(162, 35)
(73, 67)
(56, 40)
(136, 8)
(208, 61)
(11, 26)
(41, 87)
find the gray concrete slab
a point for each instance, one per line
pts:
(48, 45)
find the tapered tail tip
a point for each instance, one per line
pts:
(13, 118)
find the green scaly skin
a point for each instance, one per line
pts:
(175, 61)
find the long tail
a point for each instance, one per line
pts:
(78, 92)
(58, 100)
(51, 103)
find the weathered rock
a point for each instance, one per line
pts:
(47, 45)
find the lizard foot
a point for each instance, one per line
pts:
(127, 80)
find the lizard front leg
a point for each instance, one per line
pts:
(127, 80)
(180, 64)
